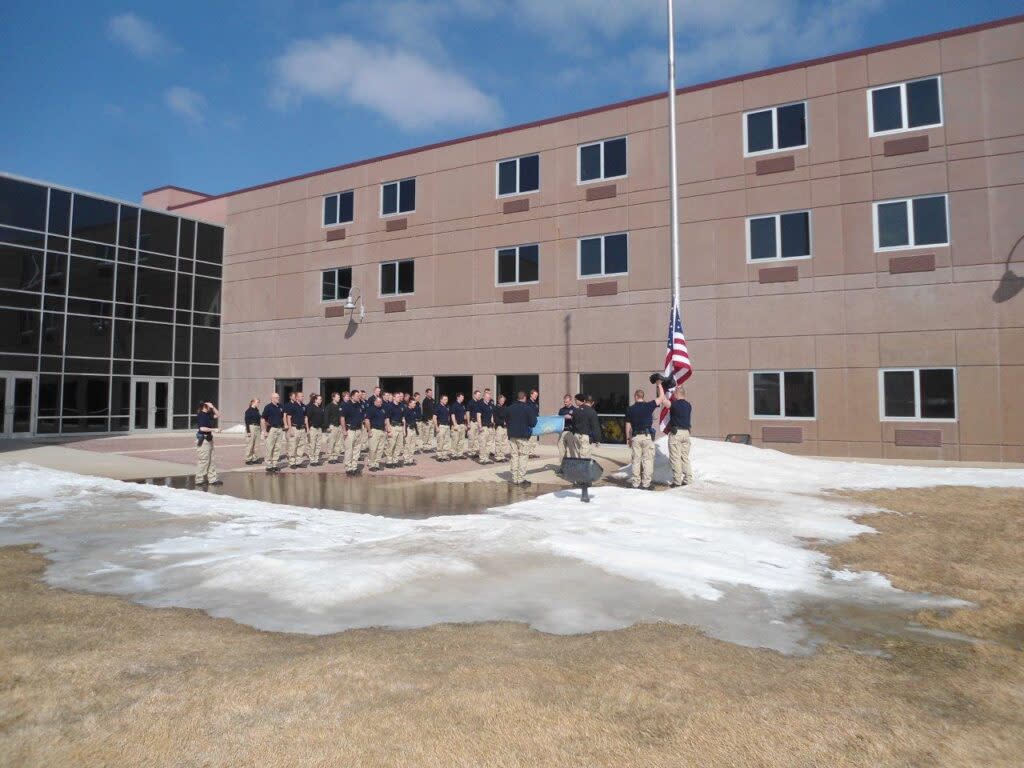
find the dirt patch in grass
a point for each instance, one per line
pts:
(90, 680)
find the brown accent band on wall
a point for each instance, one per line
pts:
(396, 224)
(603, 289)
(905, 146)
(336, 311)
(394, 306)
(607, 192)
(919, 438)
(900, 265)
(782, 435)
(516, 206)
(775, 165)
(515, 297)
(335, 234)
(778, 274)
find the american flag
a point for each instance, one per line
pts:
(677, 359)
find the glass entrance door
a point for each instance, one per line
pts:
(151, 404)
(17, 404)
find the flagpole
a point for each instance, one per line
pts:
(673, 171)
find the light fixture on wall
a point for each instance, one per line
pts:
(354, 304)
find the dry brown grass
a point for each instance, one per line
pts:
(91, 680)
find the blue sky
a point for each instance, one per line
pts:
(119, 97)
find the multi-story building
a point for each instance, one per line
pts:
(109, 313)
(851, 227)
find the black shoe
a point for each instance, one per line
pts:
(200, 483)
(409, 464)
(375, 469)
(216, 482)
(257, 461)
(332, 461)
(525, 484)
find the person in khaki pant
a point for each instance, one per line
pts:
(443, 427)
(377, 421)
(412, 422)
(458, 421)
(273, 422)
(485, 428)
(335, 432)
(473, 425)
(521, 420)
(252, 431)
(297, 425)
(640, 439)
(680, 416)
(206, 471)
(586, 425)
(395, 445)
(428, 427)
(534, 403)
(317, 420)
(354, 426)
(501, 444)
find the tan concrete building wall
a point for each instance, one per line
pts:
(845, 316)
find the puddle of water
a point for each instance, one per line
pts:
(401, 497)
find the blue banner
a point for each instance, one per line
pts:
(549, 425)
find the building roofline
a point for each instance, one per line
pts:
(1007, 21)
(179, 189)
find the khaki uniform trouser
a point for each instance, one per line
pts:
(272, 448)
(584, 450)
(643, 461)
(252, 433)
(395, 445)
(459, 441)
(352, 449)
(412, 442)
(679, 456)
(335, 442)
(298, 441)
(205, 470)
(444, 441)
(534, 442)
(501, 446)
(316, 443)
(428, 439)
(520, 453)
(377, 442)
(566, 445)
(473, 438)
(485, 444)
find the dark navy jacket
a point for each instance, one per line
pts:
(521, 420)
(353, 414)
(442, 413)
(252, 416)
(274, 415)
(486, 411)
(641, 417)
(396, 413)
(458, 410)
(206, 420)
(377, 416)
(679, 414)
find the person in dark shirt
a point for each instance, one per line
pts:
(640, 438)
(206, 424)
(534, 403)
(586, 426)
(352, 418)
(521, 418)
(443, 429)
(395, 432)
(567, 444)
(252, 431)
(428, 432)
(485, 428)
(501, 446)
(317, 420)
(472, 425)
(295, 410)
(458, 411)
(335, 432)
(680, 416)
(376, 420)
(273, 425)
(412, 416)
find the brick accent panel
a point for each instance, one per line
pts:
(778, 274)
(396, 224)
(516, 206)
(906, 146)
(515, 297)
(394, 306)
(919, 438)
(335, 234)
(602, 289)
(336, 311)
(775, 165)
(901, 265)
(782, 435)
(607, 192)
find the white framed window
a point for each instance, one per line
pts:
(779, 236)
(601, 160)
(398, 278)
(911, 223)
(517, 175)
(517, 265)
(335, 284)
(339, 208)
(783, 395)
(905, 106)
(398, 197)
(917, 394)
(603, 255)
(775, 129)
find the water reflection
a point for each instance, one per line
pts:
(385, 496)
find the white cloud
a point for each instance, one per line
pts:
(186, 103)
(403, 87)
(139, 36)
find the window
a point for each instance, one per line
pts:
(774, 129)
(519, 175)
(904, 106)
(602, 160)
(339, 208)
(452, 385)
(611, 398)
(22, 204)
(911, 223)
(779, 236)
(604, 255)
(511, 384)
(520, 264)
(398, 197)
(336, 284)
(917, 393)
(397, 277)
(782, 394)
